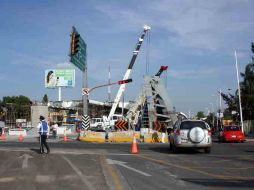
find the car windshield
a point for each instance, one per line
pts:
(232, 128)
(191, 124)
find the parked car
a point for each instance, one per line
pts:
(191, 134)
(231, 133)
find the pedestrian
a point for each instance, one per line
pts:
(55, 126)
(43, 132)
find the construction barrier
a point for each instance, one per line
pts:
(147, 136)
(157, 126)
(155, 137)
(122, 136)
(91, 136)
(121, 125)
(17, 132)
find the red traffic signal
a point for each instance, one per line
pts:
(75, 38)
(124, 81)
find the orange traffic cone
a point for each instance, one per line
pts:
(134, 147)
(65, 136)
(21, 137)
(3, 135)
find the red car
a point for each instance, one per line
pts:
(231, 133)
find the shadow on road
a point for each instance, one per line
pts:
(35, 150)
(166, 150)
(222, 182)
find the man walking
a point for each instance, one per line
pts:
(43, 132)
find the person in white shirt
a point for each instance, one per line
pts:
(43, 130)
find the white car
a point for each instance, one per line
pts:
(191, 134)
(96, 122)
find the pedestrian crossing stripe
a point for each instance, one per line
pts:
(85, 122)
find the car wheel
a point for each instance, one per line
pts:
(208, 150)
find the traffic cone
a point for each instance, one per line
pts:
(65, 136)
(134, 147)
(21, 137)
(3, 135)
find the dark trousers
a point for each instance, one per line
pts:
(43, 142)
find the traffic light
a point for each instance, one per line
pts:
(75, 42)
(124, 81)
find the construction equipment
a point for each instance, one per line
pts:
(163, 68)
(128, 72)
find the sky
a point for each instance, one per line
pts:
(196, 39)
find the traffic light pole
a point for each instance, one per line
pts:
(85, 97)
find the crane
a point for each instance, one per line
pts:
(128, 71)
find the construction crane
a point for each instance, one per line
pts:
(163, 68)
(128, 72)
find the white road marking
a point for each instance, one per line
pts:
(25, 160)
(79, 173)
(109, 161)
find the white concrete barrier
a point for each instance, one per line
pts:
(17, 132)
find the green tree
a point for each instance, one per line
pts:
(20, 105)
(45, 99)
(247, 89)
(200, 115)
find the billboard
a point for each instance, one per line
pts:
(59, 78)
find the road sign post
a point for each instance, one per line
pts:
(78, 58)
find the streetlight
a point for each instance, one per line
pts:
(208, 111)
(212, 112)
(239, 92)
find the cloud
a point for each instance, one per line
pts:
(202, 25)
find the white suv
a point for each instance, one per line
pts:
(191, 134)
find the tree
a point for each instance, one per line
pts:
(200, 115)
(247, 89)
(18, 105)
(45, 99)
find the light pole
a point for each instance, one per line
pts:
(239, 92)
(208, 111)
(212, 113)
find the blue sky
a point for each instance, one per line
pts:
(196, 39)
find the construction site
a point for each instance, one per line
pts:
(148, 118)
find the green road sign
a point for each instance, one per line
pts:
(78, 50)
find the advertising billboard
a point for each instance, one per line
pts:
(59, 78)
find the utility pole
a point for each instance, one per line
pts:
(239, 92)
(212, 112)
(220, 109)
(109, 88)
(79, 59)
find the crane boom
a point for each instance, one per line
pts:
(128, 72)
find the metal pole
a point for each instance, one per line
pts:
(123, 105)
(239, 92)
(109, 88)
(220, 111)
(212, 112)
(85, 97)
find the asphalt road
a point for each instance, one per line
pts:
(79, 165)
